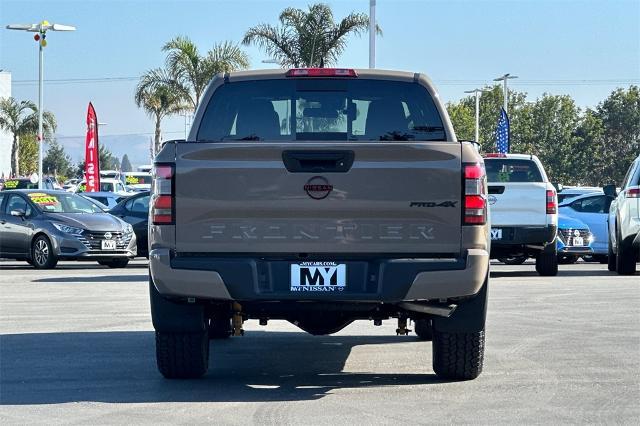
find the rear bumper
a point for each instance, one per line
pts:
(268, 279)
(524, 235)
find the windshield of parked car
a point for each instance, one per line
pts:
(321, 109)
(62, 203)
(511, 170)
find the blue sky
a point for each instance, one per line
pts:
(581, 48)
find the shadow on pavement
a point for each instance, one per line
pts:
(94, 279)
(117, 367)
(561, 273)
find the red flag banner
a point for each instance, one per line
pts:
(92, 163)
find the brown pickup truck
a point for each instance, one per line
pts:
(319, 196)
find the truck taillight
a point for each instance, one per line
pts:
(475, 194)
(552, 202)
(632, 192)
(162, 200)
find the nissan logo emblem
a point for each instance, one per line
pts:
(318, 188)
(492, 200)
(107, 236)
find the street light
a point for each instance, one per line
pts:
(504, 79)
(41, 35)
(271, 61)
(477, 93)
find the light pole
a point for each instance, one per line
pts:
(477, 93)
(41, 34)
(504, 79)
(372, 33)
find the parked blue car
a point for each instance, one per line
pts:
(574, 239)
(591, 209)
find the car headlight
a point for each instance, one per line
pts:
(68, 229)
(128, 229)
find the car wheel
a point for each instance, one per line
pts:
(424, 329)
(518, 260)
(182, 355)
(547, 261)
(42, 253)
(611, 258)
(625, 257)
(220, 327)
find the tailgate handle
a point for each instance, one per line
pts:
(318, 161)
(496, 189)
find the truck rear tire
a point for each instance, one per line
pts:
(182, 355)
(547, 261)
(424, 329)
(625, 257)
(458, 356)
(220, 327)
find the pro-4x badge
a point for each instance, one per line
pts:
(433, 204)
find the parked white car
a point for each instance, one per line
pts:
(624, 222)
(107, 185)
(524, 210)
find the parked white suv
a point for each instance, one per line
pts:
(624, 222)
(524, 210)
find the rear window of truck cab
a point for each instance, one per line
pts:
(503, 170)
(321, 109)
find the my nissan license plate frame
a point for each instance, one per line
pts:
(318, 276)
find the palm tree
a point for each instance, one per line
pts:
(19, 119)
(307, 39)
(188, 72)
(158, 101)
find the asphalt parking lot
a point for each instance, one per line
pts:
(77, 346)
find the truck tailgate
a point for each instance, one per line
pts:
(240, 197)
(512, 203)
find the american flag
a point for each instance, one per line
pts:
(502, 133)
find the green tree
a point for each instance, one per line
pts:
(620, 116)
(125, 164)
(463, 120)
(28, 154)
(188, 72)
(158, 101)
(57, 160)
(462, 116)
(107, 160)
(21, 119)
(307, 38)
(553, 138)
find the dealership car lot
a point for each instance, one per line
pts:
(76, 346)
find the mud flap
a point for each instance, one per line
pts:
(172, 317)
(469, 316)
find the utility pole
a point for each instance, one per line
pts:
(477, 94)
(372, 33)
(505, 92)
(40, 37)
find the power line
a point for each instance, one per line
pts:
(118, 134)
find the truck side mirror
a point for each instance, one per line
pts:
(610, 190)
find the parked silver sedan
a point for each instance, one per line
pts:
(42, 227)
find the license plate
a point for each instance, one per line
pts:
(318, 276)
(496, 234)
(578, 241)
(108, 244)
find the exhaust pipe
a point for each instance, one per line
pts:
(429, 308)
